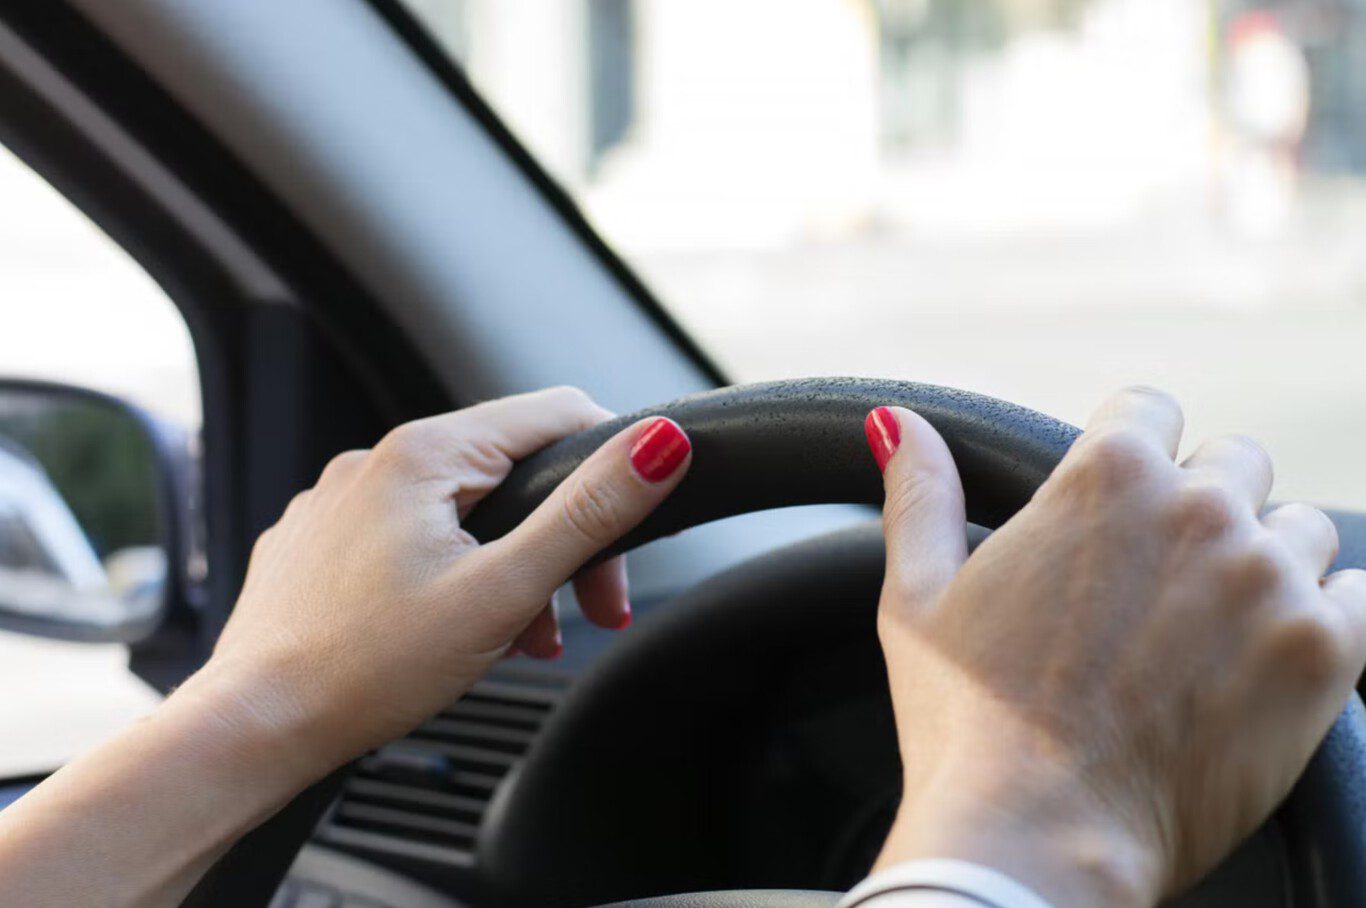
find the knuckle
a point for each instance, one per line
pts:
(342, 463)
(480, 456)
(1117, 443)
(1329, 528)
(1215, 456)
(1301, 513)
(1254, 570)
(908, 589)
(404, 446)
(1311, 519)
(263, 542)
(900, 601)
(1350, 582)
(1250, 447)
(1205, 510)
(1347, 588)
(1112, 458)
(898, 588)
(568, 399)
(1308, 646)
(892, 625)
(571, 396)
(592, 510)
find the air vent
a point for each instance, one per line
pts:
(423, 798)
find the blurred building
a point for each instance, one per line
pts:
(769, 121)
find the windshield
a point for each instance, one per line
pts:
(1035, 199)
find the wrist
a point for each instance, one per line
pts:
(252, 728)
(150, 809)
(1041, 835)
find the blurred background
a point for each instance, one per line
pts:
(75, 308)
(1036, 199)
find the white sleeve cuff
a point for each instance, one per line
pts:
(972, 882)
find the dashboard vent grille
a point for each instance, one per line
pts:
(424, 797)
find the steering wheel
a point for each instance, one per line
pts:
(641, 777)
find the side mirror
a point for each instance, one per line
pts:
(91, 514)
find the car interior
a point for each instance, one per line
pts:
(356, 239)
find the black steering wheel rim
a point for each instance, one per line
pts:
(800, 442)
(783, 443)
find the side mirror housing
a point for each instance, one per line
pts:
(92, 514)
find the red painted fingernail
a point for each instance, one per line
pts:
(884, 434)
(659, 450)
(559, 649)
(625, 620)
(511, 651)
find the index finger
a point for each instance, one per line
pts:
(521, 424)
(1149, 413)
(474, 449)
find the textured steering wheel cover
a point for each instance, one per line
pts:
(801, 442)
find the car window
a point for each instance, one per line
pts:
(1035, 200)
(76, 309)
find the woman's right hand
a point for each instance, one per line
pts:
(365, 610)
(1126, 678)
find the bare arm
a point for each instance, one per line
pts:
(1062, 697)
(1125, 679)
(365, 610)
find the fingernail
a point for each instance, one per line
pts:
(659, 450)
(625, 620)
(559, 648)
(884, 434)
(511, 651)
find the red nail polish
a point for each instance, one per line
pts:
(659, 450)
(625, 620)
(884, 435)
(559, 649)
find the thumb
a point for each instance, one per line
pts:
(923, 516)
(606, 497)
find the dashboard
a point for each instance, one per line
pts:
(742, 740)
(420, 807)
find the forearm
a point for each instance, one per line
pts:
(137, 821)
